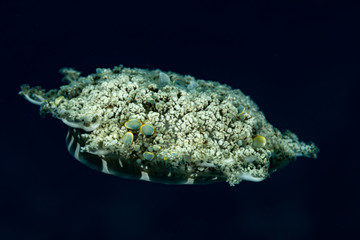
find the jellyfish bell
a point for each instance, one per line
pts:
(198, 134)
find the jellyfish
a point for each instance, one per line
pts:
(196, 132)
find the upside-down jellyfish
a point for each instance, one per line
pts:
(165, 127)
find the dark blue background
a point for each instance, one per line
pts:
(297, 60)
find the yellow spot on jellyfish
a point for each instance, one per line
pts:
(147, 130)
(58, 100)
(241, 110)
(148, 156)
(156, 147)
(133, 124)
(127, 138)
(259, 141)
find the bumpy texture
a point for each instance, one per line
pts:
(203, 131)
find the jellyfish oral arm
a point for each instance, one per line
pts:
(40, 100)
(80, 125)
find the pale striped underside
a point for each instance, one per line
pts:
(117, 165)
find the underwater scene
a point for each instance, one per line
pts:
(128, 120)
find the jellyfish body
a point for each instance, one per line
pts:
(191, 132)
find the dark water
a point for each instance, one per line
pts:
(298, 62)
